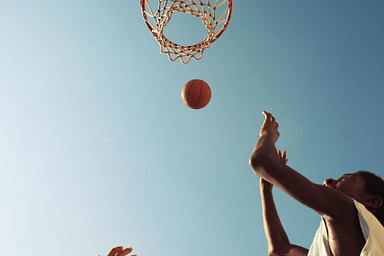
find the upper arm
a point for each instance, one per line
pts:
(325, 201)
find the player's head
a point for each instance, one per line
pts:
(365, 187)
(374, 186)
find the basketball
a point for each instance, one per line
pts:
(196, 94)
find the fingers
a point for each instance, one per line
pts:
(115, 250)
(271, 118)
(125, 252)
(265, 113)
(268, 116)
(270, 126)
(283, 156)
(119, 251)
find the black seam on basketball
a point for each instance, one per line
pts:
(189, 94)
(201, 92)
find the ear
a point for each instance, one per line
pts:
(373, 202)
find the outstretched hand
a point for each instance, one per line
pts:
(120, 251)
(270, 127)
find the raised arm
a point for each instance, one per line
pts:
(266, 164)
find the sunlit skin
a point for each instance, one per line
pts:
(332, 201)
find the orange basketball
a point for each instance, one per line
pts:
(196, 94)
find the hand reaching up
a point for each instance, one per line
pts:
(270, 127)
(120, 251)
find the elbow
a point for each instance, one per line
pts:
(273, 253)
(279, 249)
(261, 162)
(256, 163)
(253, 162)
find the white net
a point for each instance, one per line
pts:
(215, 15)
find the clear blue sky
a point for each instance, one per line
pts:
(97, 148)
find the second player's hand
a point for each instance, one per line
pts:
(120, 251)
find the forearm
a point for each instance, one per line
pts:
(278, 242)
(274, 231)
(265, 145)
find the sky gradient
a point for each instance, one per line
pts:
(98, 150)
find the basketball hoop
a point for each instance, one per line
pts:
(216, 23)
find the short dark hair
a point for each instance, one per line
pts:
(374, 186)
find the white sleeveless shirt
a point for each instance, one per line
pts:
(372, 230)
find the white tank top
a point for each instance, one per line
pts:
(372, 230)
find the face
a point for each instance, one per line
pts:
(350, 184)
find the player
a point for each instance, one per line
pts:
(350, 207)
(120, 251)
